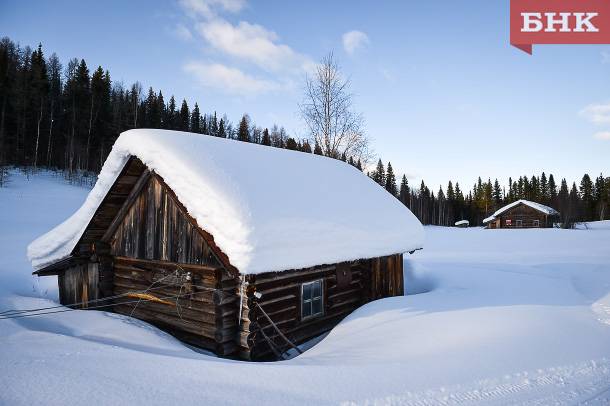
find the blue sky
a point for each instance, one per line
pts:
(443, 93)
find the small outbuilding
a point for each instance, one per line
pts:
(462, 223)
(523, 214)
(238, 248)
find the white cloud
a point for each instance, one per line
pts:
(229, 79)
(353, 40)
(597, 113)
(602, 135)
(180, 31)
(252, 43)
(207, 8)
(233, 49)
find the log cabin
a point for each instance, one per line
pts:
(523, 214)
(237, 248)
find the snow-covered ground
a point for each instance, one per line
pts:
(501, 317)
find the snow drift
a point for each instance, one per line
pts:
(268, 209)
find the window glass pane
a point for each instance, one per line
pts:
(317, 306)
(307, 291)
(317, 289)
(306, 309)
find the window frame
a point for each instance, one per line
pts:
(519, 223)
(536, 223)
(312, 315)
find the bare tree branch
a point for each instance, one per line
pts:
(328, 112)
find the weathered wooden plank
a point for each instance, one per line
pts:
(133, 195)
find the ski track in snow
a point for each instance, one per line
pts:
(517, 317)
(571, 384)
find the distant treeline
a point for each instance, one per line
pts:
(68, 118)
(589, 201)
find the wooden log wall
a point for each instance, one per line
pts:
(155, 227)
(141, 239)
(201, 311)
(281, 300)
(111, 204)
(527, 215)
(79, 284)
(387, 278)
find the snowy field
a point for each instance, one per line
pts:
(501, 317)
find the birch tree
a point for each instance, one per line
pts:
(327, 109)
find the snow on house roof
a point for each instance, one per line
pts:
(268, 209)
(461, 222)
(540, 207)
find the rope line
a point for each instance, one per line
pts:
(290, 343)
(35, 312)
(18, 311)
(151, 285)
(97, 307)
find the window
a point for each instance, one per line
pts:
(509, 222)
(519, 223)
(536, 223)
(311, 299)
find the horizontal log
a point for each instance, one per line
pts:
(295, 281)
(173, 265)
(146, 274)
(171, 321)
(282, 299)
(207, 295)
(342, 294)
(261, 279)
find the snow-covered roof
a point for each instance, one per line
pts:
(462, 222)
(540, 207)
(268, 209)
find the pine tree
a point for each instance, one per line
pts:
(574, 205)
(204, 125)
(170, 120)
(545, 196)
(390, 181)
(40, 90)
(379, 174)
(195, 120)
(54, 68)
(291, 144)
(600, 197)
(497, 194)
(488, 196)
(222, 132)
(266, 140)
(563, 199)
(586, 195)
(185, 116)
(213, 125)
(552, 190)
(161, 110)
(404, 191)
(243, 134)
(317, 149)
